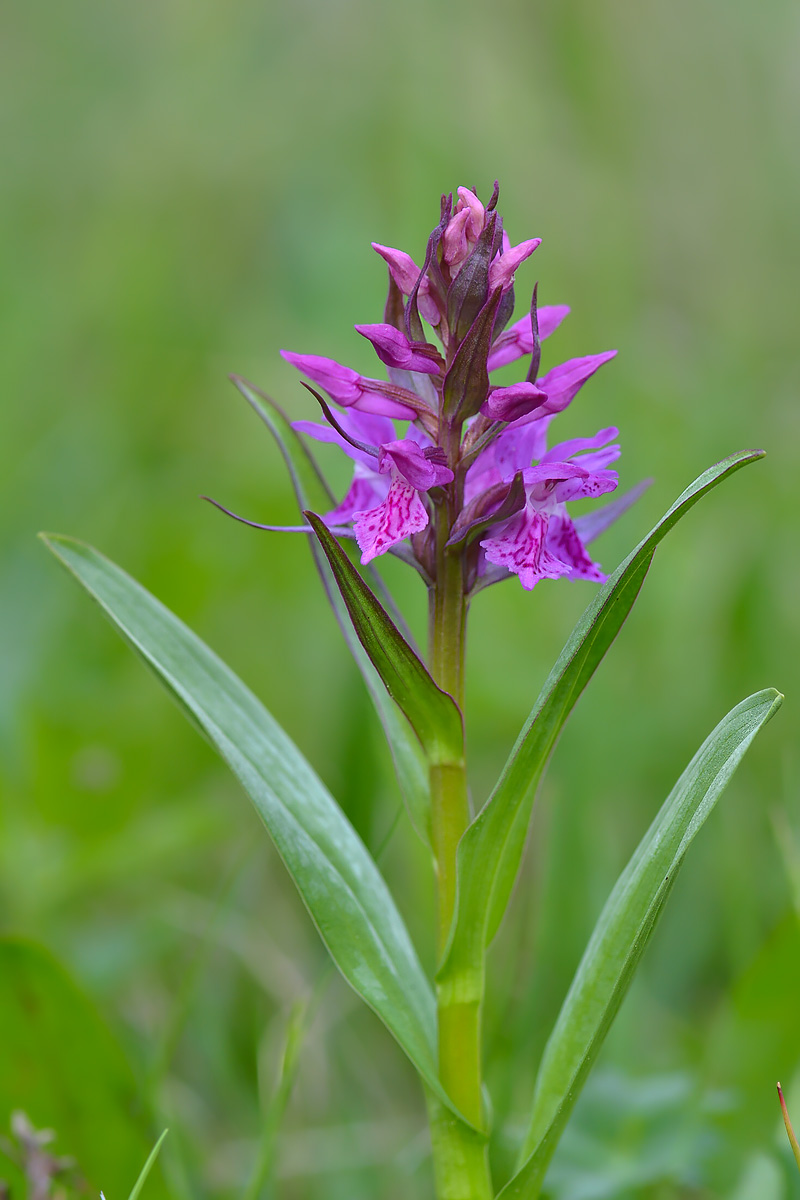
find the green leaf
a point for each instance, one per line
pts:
(432, 713)
(623, 931)
(490, 851)
(332, 869)
(312, 492)
(147, 1168)
(61, 1065)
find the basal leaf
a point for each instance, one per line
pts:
(623, 931)
(312, 491)
(332, 869)
(432, 713)
(490, 851)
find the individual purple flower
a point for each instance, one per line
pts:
(405, 272)
(384, 500)
(503, 266)
(517, 340)
(394, 348)
(511, 403)
(462, 231)
(541, 541)
(562, 383)
(348, 388)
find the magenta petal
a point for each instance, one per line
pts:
(341, 383)
(564, 382)
(501, 271)
(510, 403)
(417, 469)
(517, 340)
(365, 491)
(455, 247)
(404, 270)
(564, 542)
(520, 546)
(565, 450)
(401, 514)
(326, 433)
(393, 348)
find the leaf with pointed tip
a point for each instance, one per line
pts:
(432, 713)
(147, 1168)
(312, 491)
(338, 880)
(466, 384)
(490, 851)
(623, 930)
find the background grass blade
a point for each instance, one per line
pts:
(623, 931)
(312, 491)
(432, 713)
(147, 1168)
(491, 849)
(332, 869)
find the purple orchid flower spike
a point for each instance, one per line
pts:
(485, 489)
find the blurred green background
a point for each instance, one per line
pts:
(189, 187)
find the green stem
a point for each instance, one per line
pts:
(459, 1153)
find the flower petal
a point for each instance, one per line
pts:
(563, 382)
(501, 272)
(401, 514)
(416, 467)
(366, 490)
(565, 450)
(517, 340)
(511, 403)
(404, 270)
(393, 348)
(563, 541)
(520, 545)
(341, 383)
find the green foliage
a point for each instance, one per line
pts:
(623, 931)
(311, 491)
(332, 869)
(490, 851)
(432, 713)
(62, 1067)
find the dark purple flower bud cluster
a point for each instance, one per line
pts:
(469, 473)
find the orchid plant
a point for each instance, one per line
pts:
(459, 478)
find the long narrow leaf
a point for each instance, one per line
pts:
(311, 491)
(432, 713)
(490, 851)
(623, 931)
(332, 869)
(147, 1168)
